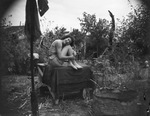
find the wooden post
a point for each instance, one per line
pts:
(34, 102)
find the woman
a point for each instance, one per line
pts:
(61, 50)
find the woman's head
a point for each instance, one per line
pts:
(68, 40)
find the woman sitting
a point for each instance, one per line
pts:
(61, 50)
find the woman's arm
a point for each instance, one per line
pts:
(60, 55)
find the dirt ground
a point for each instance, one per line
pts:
(16, 101)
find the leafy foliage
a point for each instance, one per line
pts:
(131, 35)
(14, 53)
(130, 46)
(97, 38)
(79, 37)
(14, 50)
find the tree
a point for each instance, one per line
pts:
(97, 39)
(132, 34)
(79, 36)
(59, 32)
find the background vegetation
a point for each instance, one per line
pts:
(130, 42)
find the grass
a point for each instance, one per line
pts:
(16, 100)
(16, 89)
(15, 95)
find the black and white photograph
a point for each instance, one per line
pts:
(74, 58)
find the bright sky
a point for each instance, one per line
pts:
(66, 12)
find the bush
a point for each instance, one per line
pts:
(14, 53)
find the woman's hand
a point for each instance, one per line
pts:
(74, 53)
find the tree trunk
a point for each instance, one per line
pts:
(111, 34)
(84, 48)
